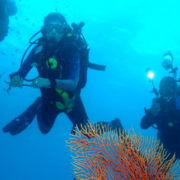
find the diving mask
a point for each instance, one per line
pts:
(59, 28)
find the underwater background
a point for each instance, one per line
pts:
(126, 36)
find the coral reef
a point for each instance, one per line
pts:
(100, 154)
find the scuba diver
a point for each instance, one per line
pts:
(164, 115)
(61, 58)
(7, 8)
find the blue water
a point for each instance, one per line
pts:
(126, 36)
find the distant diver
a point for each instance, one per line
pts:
(164, 115)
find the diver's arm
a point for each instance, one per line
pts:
(67, 85)
(148, 120)
(16, 79)
(70, 84)
(28, 63)
(152, 115)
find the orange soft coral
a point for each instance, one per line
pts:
(106, 156)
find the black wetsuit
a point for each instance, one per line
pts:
(64, 64)
(167, 123)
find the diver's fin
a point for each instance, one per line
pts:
(20, 123)
(16, 126)
(9, 125)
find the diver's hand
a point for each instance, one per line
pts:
(41, 82)
(155, 108)
(16, 81)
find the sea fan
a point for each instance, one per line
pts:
(101, 154)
